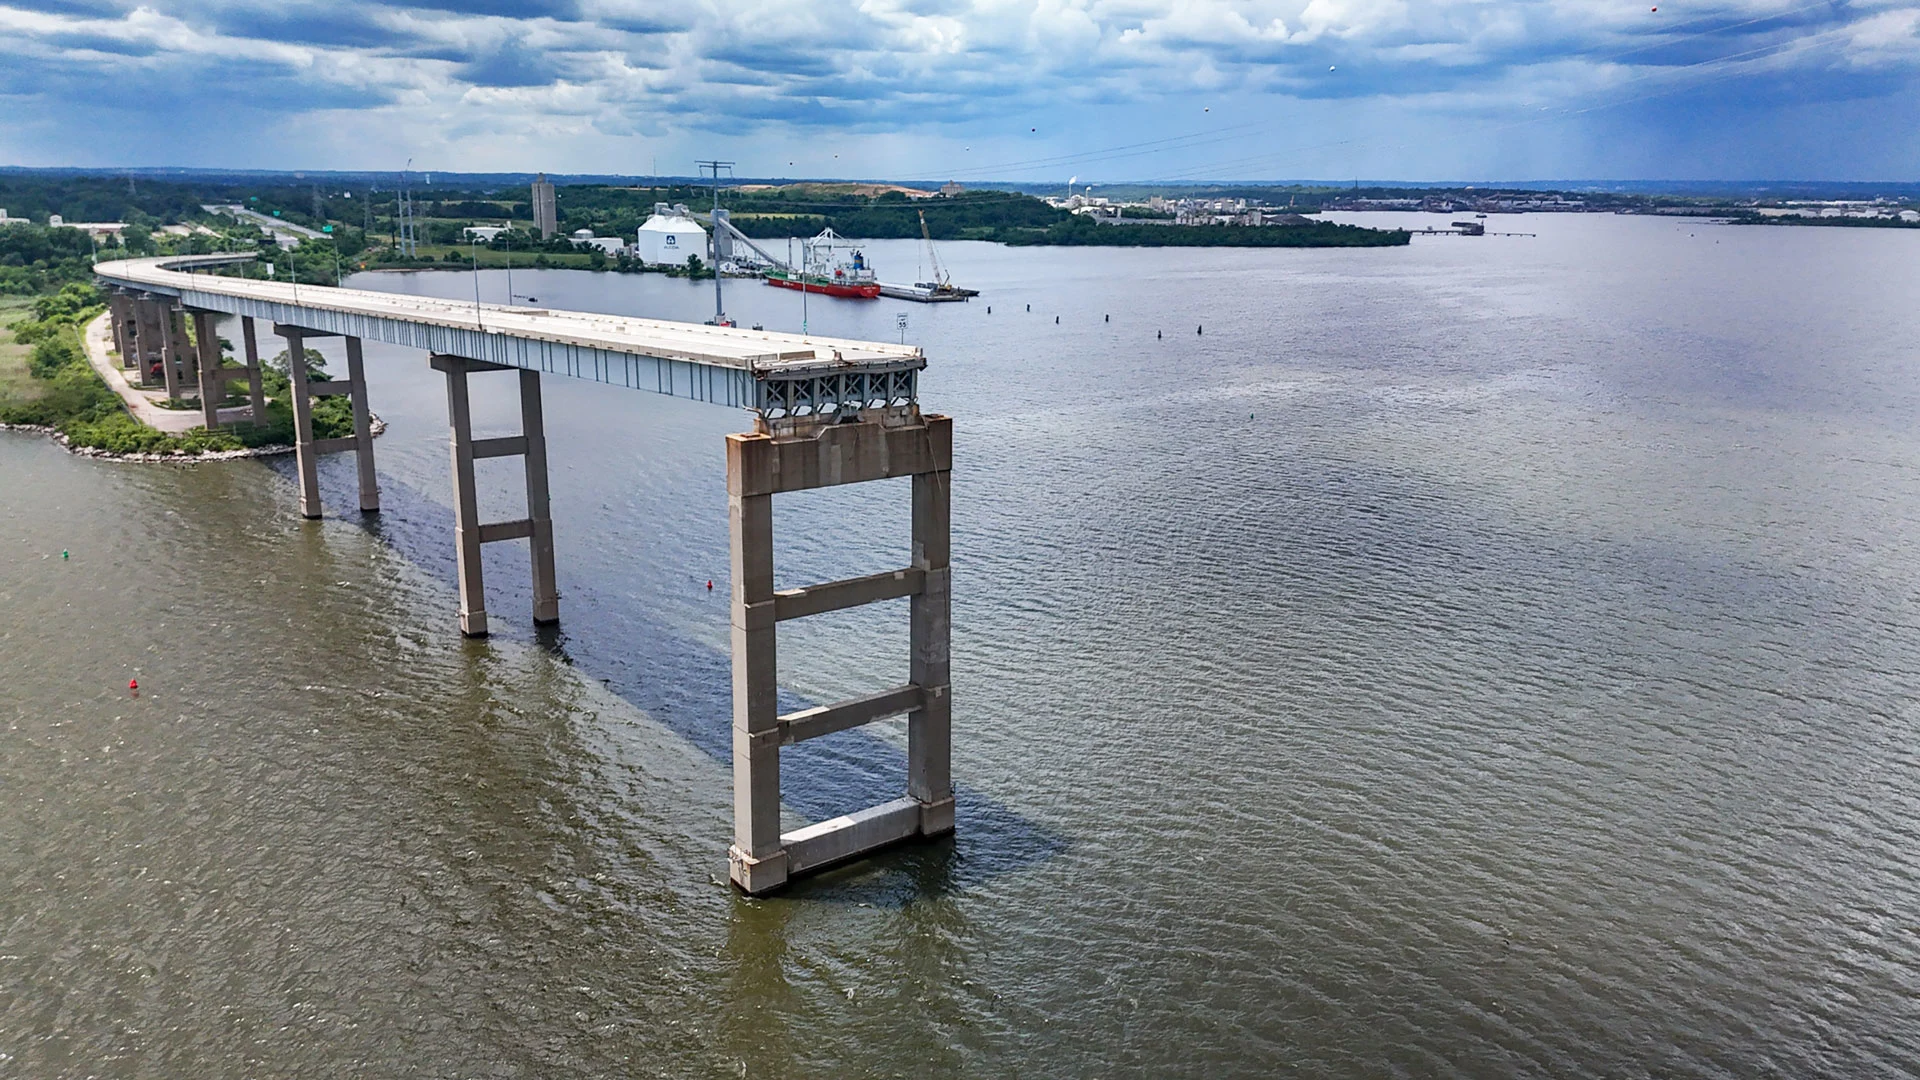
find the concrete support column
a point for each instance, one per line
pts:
(306, 459)
(797, 455)
(213, 389)
(469, 531)
(169, 340)
(930, 727)
(186, 365)
(120, 311)
(254, 390)
(466, 500)
(362, 429)
(533, 428)
(147, 335)
(758, 859)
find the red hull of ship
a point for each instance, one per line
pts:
(852, 292)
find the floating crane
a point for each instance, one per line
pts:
(940, 279)
(940, 289)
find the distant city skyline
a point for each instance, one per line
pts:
(1110, 92)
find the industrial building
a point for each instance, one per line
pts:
(670, 235)
(546, 213)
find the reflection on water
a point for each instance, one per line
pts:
(1487, 657)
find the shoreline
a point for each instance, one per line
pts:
(95, 344)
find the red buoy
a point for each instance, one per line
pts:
(133, 684)
(709, 585)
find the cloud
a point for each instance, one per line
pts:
(510, 64)
(476, 79)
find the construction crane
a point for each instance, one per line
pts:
(940, 281)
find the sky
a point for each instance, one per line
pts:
(1030, 90)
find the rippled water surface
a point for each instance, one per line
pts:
(1496, 656)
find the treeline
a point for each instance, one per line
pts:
(1084, 232)
(36, 260)
(1840, 222)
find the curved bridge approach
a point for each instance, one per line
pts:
(828, 411)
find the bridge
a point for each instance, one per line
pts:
(827, 411)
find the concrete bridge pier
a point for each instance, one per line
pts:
(795, 455)
(255, 393)
(120, 311)
(139, 313)
(149, 323)
(307, 449)
(468, 530)
(180, 360)
(214, 377)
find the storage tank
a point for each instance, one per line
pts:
(670, 235)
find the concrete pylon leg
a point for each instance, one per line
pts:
(255, 392)
(307, 463)
(212, 389)
(169, 343)
(152, 345)
(930, 727)
(466, 503)
(117, 313)
(186, 363)
(362, 429)
(141, 342)
(758, 861)
(546, 590)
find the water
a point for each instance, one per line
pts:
(1496, 656)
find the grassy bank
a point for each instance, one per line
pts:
(16, 384)
(46, 381)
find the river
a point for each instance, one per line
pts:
(1493, 656)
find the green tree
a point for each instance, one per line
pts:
(51, 354)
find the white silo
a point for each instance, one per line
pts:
(670, 235)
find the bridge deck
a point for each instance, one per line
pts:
(777, 374)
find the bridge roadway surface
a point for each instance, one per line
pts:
(776, 374)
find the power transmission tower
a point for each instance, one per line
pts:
(403, 209)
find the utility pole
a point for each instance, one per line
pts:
(403, 204)
(719, 309)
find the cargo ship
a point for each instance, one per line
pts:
(850, 277)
